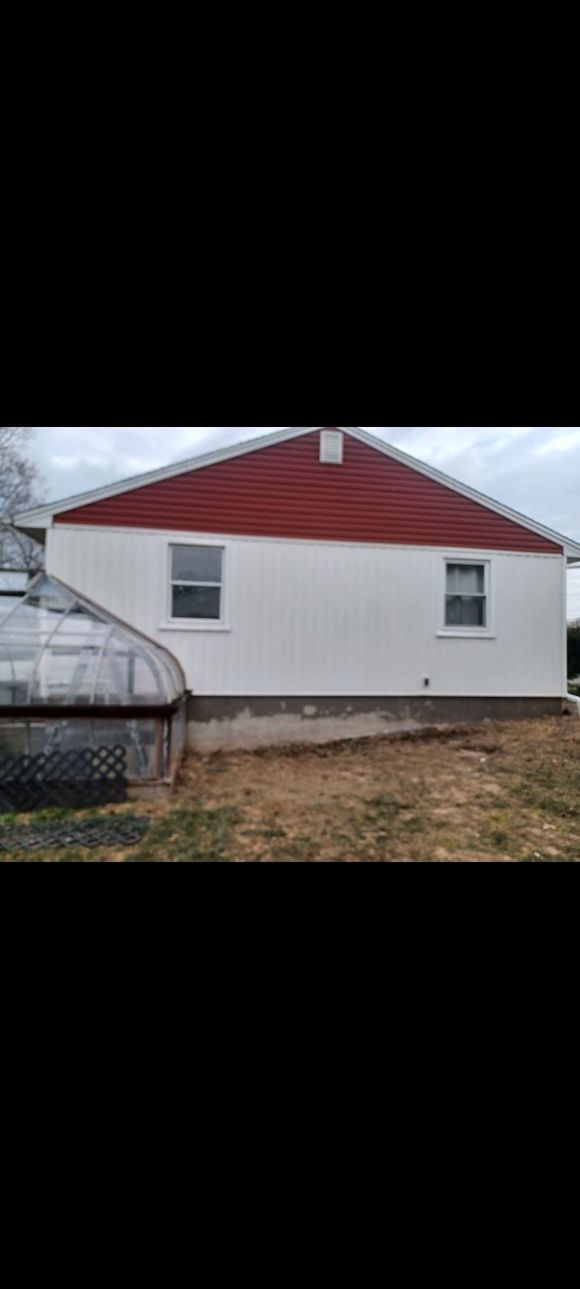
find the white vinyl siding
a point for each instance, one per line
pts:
(321, 618)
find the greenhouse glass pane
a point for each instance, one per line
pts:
(140, 740)
(56, 649)
(65, 675)
(36, 738)
(8, 603)
(13, 740)
(16, 669)
(10, 581)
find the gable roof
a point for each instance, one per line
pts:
(34, 521)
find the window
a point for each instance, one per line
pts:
(467, 596)
(197, 583)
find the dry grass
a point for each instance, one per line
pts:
(496, 792)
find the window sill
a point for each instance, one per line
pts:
(185, 625)
(459, 634)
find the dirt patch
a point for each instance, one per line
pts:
(496, 793)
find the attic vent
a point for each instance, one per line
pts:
(331, 444)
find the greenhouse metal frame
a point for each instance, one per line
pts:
(72, 675)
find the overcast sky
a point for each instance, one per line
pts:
(536, 470)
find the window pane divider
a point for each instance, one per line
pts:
(211, 585)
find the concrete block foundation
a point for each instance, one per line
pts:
(247, 723)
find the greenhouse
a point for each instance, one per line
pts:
(73, 678)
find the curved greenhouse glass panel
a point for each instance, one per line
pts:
(74, 680)
(58, 649)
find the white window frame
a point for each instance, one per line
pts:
(488, 632)
(196, 624)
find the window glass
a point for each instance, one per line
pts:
(465, 611)
(197, 564)
(466, 579)
(196, 583)
(466, 598)
(196, 602)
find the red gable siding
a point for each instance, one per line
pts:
(284, 491)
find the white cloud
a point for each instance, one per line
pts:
(561, 443)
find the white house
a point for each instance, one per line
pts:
(318, 583)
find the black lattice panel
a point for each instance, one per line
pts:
(77, 779)
(119, 830)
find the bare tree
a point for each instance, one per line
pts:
(19, 489)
